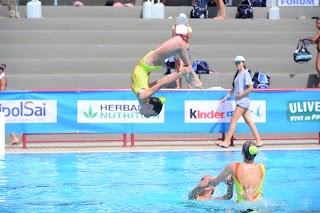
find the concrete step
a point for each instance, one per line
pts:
(125, 66)
(136, 12)
(132, 51)
(147, 25)
(152, 37)
(99, 81)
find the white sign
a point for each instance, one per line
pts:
(296, 3)
(29, 111)
(215, 112)
(113, 111)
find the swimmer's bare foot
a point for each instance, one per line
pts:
(14, 140)
(193, 79)
(220, 17)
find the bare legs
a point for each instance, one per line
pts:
(317, 85)
(167, 49)
(245, 113)
(14, 140)
(222, 8)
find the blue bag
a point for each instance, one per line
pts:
(201, 67)
(260, 80)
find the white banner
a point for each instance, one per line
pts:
(215, 112)
(29, 111)
(114, 111)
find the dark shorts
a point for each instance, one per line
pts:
(242, 107)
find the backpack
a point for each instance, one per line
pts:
(200, 9)
(301, 54)
(244, 10)
(109, 2)
(258, 3)
(260, 80)
(200, 67)
(169, 64)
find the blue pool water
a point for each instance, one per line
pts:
(145, 182)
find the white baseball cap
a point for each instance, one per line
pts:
(182, 15)
(239, 58)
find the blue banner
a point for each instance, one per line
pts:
(186, 111)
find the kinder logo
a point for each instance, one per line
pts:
(29, 111)
(113, 111)
(214, 111)
(298, 3)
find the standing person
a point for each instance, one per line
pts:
(206, 193)
(219, 3)
(177, 61)
(3, 86)
(316, 40)
(248, 176)
(154, 60)
(242, 86)
(222, 8)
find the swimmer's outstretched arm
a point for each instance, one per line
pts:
(229, 170)
(229, 182)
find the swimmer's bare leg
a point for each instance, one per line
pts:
(167, 49)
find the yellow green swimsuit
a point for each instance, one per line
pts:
(140, 75)
(239, 187)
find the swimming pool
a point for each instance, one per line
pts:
(150, 182)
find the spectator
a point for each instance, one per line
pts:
(248, 176)
(221, 5)
(242, 86)
(206, 193)
(316, 40)
(3, 86)
(177, 61)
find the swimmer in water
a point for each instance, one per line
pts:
(206, 193)
(248, 176)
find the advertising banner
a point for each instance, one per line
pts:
(186, 111)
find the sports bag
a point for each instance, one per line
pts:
(200, 9)
(260, 80)
(258, 3)
(301, 54)
(244, 10)
(201, 67)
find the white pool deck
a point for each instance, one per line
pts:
(64, 147)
